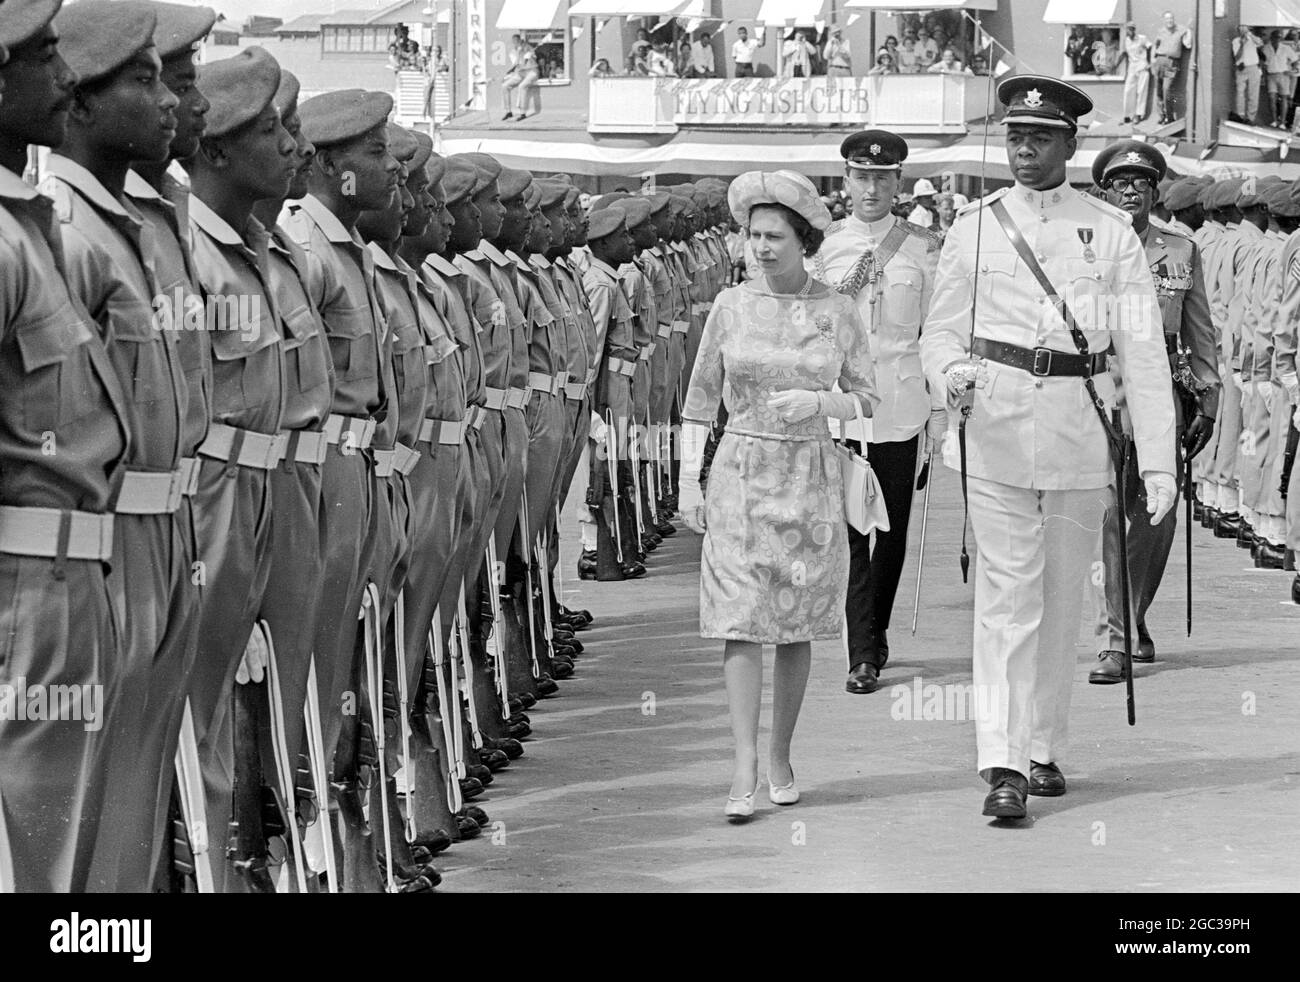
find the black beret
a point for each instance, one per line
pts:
(553, 194)
(874, 150)
(513, 182)
(423, 151)
(659, 201)
(238, 89)
(489, 168)
(605, 222)
(22, 20)
(1129, 155)
(180, 27)
(337, 117)
(1182, 194)
(572, 197)
(636, 210)
(1039, 100)
(401, 144)
(533, 197)
(460, 178)
(97, 37)
(286, 96)
(436, 167)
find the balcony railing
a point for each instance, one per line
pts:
(909, 103)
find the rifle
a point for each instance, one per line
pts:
(922, 482)
(373, 627)
(285, 772)
(320, 778)
(1288, 458)
(404, 709)
(189, 783)
(449, 704)
(467, 681)
(247, 845)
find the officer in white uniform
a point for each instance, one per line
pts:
(1038, 459)
(888, 265)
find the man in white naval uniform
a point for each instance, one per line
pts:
(1038, 460)
(887, 265)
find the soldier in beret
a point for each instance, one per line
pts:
(245, 156)
(1186, 215)
(352, 171)
(115, 121)
(663, 390)
(1037, 451)
(58, 392)
(887, 265)
(1128, 172)
(1284, 357)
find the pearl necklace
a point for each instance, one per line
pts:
(804, 291)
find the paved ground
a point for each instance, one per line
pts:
(623, 786)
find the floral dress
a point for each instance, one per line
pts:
(775, 564)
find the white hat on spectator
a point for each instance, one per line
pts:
(922, 187)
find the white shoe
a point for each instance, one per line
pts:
(785, 794)
(742, 808)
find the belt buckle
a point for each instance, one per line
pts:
(1042, 361)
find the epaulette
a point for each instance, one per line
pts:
(834, 226)
(1106, 208)
(1166, 229)
(932, 241)
(979, 203)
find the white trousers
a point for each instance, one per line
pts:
(1135, 94)
(1033, 553)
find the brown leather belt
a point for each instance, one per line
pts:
(1041, 362)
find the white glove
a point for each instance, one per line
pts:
(961, 376)
(1162, 491)
(936, 427)
(842, 405)
(1265, 391)
(1236, 380)
(690, 500)
(794, 405)
(1290, 383)
(253, 664)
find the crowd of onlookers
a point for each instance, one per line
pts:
(1267, 64)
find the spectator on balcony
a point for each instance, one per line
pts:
(524, 77)
(1137, 73)
(979, 65)
(601, 69)
(403, 53)
(949, 65)
(638, 59)
(1079, 50)
(1247, 58)
(839, 60)
(1280, 63)
(1105, 53)
(702, 65)
(440, 64)
(1172, 40)
(683, 62)
(660, 62)
(797, 54)
(742, 53)
(909, 55)
(927, 49)
(884, 63)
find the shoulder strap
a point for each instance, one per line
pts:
(1017, 239)
(860, 273)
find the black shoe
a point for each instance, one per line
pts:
(1006, 799)
(507, 116)
(1208, 517)
(648, 543)
(435, 841)
(587, 565)
(1227, 526)
(633, 570)
(471, 788)
(546, 687)
(493, 760)
(1295, 590)
(477, 772)
(518, 718)
(1198, 510)
(526, 701)
(1270, 556)
(1109, 670)
(513, 749)
(520, 731)
(1288, 560)
(579, 620)
(467, 828)
(1045, 780)
(863, 678)
(1146, 649)
(561, 669)
(665, 528)
(1245, 536)
(1127, 120)
(475, 814)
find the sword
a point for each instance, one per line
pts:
(319, 776)
(922, 481)
(189, 781)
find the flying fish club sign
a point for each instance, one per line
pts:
(769, 101)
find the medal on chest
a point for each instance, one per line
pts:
(1085, 236)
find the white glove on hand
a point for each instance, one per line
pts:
(843, 405)
(794, 405)
(253, 664)
(690, 500)
(1265, 391)
(936, 427)
(1162, 491)
(1236, 380)
(961, 376)
(1291, 385)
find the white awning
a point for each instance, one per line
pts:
(530, 15)
(630, 8)
(1270, 13)
(1084, 12)
(800, 13)
(922, 4)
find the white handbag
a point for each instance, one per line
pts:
(864, 502)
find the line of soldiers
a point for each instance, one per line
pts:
(290, 407)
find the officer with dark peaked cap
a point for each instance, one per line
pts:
(163, 202)
(110, 47)
(351, 172)
(888, 266)
(240, 161)
(615, 531)
(64, 438)
(1038, 459)
(1128, 172)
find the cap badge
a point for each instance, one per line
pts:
(874, 149)
(1033, 99)
(1133, 157)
